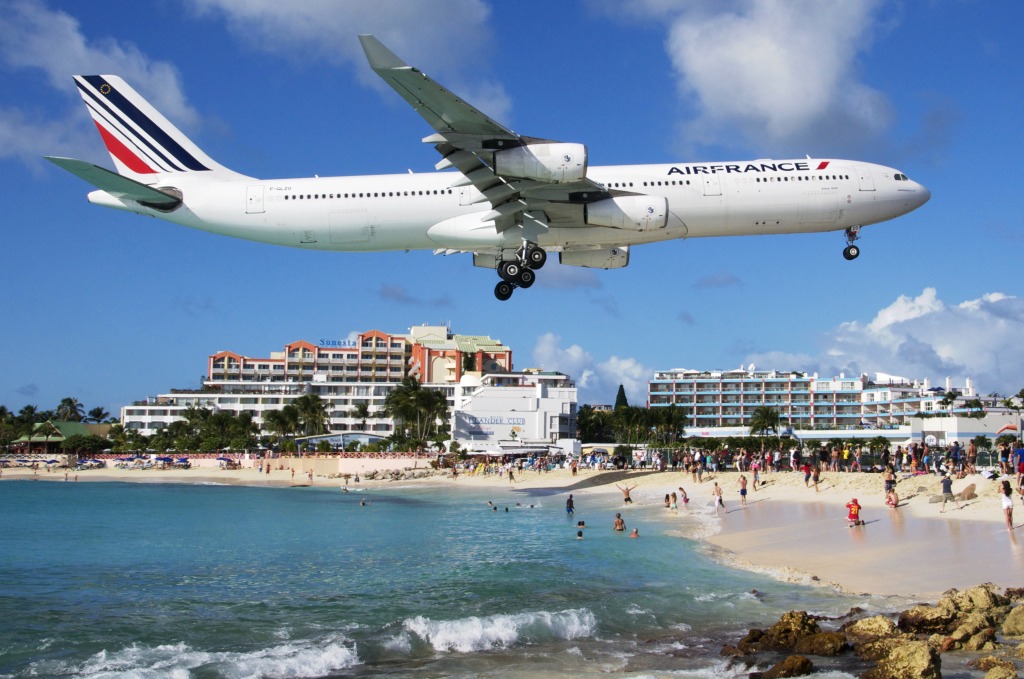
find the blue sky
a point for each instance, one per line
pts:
(109, 307)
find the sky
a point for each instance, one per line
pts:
(109, 307)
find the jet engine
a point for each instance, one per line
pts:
(555, 162)
(634, 213)
(605, 258)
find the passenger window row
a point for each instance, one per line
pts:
(367, 194)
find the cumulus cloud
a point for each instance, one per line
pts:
(924, 337)
(326, 30)
(775, 74)
(597, 380)
(35, 37)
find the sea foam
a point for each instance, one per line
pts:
(294, 659)
(466, 635)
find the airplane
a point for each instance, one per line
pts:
(510, 201)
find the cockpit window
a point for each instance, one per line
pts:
(901, 177)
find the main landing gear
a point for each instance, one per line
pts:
(851, 251)
(519, 272)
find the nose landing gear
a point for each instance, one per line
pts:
(519, 272)
(851, 251)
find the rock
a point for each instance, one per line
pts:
(822, 643)
(793, 666)
(880, 648)
(1001, 673)
(730, 651)
(1013, 625)
(935, 499)
(1014, 593)
(791, 628)
(908, 660)
(1019, 652)
(748, 644)
(979, 598)
(967, 493)
(989, 662)
(926, 619)
(985, 640)
(868, 629)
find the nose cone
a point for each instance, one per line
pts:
(923, 195)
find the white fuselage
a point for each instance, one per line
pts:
(416, 211)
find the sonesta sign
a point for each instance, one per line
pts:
(730, 168)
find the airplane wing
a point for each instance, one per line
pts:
(118, 185)
(526, 181)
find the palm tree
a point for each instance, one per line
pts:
(361, 411)
(283, 422)
(70, 410)
(415, 408)
(312, 414)
(764, 420)
(97, 414)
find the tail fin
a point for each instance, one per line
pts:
(141, 141)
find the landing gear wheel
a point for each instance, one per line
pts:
(851, 252)
(526, 278)
(509, 271)
(536, 257)
(503, 290)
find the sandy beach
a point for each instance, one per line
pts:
(787, 529)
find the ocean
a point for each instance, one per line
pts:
(169, 580)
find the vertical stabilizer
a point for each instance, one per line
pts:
(141, 141)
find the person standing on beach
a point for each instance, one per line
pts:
(570, 507)
(947, 493)
(815, 475)
(511, 474)
(716, 493)
(743, 491)
(891, 498)
(626, 499)
(1007, 500)
(806, 469)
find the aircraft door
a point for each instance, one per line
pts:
(867, 182)
(253, 200)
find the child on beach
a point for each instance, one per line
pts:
(1007, 500)
(853, 513)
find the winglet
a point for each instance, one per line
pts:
(379, 56)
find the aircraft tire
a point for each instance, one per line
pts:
(509, 271)
(851, 252)
(526, 278)
(536, 257)
(503, 290)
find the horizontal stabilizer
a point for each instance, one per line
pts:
(116, 185)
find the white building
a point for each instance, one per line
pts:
(721, 403)
(531, 409)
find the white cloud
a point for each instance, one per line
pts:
(446, 38)
(781, 73)
(32, 36)
(597, 381)
(924, 337)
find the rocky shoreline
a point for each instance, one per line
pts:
(979, 621)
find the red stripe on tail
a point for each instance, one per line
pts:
(123, 153)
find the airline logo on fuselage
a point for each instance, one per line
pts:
(785, 166)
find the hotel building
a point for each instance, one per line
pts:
(363, 369)
(721, 403)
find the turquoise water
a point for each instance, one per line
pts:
(162, 580)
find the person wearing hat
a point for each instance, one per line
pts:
(947, 493)
(853, 513)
